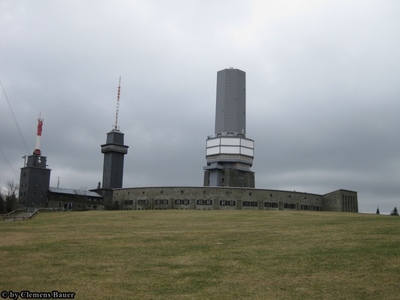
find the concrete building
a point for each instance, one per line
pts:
(73, 199)
(228, 198)
(229, 153)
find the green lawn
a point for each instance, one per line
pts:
(176, 254)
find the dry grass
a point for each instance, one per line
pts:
(204, 255)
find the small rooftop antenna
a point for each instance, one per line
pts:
(117, 110)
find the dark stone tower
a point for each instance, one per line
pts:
(229, 153)
(113, 167)
(35, 177)
(34, 182)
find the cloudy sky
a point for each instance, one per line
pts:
(323, 89)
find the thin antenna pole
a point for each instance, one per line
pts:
(117, 110)
(38, 135)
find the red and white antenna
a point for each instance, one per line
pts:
(38, 135)
(116, 113)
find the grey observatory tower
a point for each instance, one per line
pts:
(229, 153)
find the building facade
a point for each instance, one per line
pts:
(227, 198)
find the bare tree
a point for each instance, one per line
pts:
(11, 196)
(2, 204)
(394, 212)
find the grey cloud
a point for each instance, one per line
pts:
(322, 89)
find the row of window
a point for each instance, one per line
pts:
(198, 202)
(204, 202)
(271, 195)
(161, 201)
(225, 203)
(182, 202)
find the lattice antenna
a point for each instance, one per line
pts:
(117, 110)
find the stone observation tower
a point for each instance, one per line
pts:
(35, 176)
(229, 153)
(114, 151)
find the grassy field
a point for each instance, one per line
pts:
(176, 254)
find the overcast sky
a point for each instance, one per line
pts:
(323, 90)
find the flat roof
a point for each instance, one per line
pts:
(57, 190)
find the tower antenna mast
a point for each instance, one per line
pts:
(117, 110)
(38, 135)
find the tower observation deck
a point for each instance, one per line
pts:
(229, 153)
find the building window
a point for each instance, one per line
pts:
(161, 201)
(250, 203)
(204, 202)
(305, 207)
(271, 204)
(182, 202)
(289, 206)
(227, 203)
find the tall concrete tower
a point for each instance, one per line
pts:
(114, 151)
(35, 176)
(229, 153)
